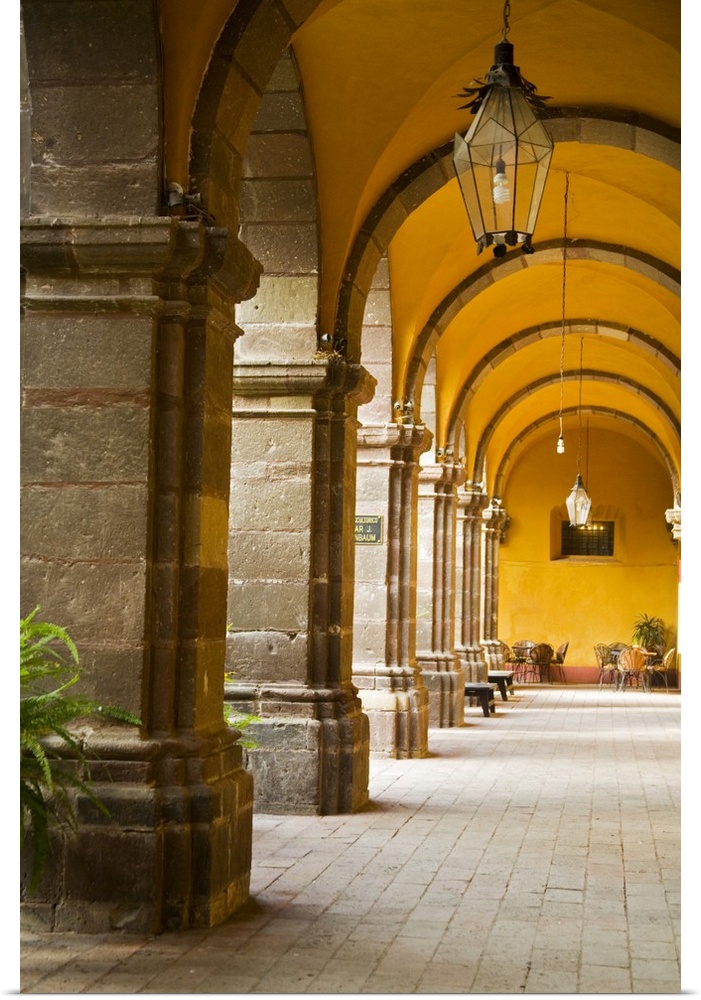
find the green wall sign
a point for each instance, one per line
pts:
(368, 529)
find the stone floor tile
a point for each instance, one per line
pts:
(503, 863)
(603, 979)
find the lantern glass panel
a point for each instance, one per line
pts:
(504, 137)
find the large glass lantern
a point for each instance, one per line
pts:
(578, 504)
(503, 160)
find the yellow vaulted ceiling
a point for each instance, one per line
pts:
(379, 80)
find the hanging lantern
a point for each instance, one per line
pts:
(503, 161)
(578, 504)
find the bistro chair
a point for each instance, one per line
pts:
(559, 659)
(605, 662)
(661, 669)
(541, 658)
(616, 647)
(520, 658)
(631, 667)
(504, 652)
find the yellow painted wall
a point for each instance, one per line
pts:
(579, 600)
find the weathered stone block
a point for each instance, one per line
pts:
(285, 507)
(280, 111)
(378, 309)
(278, 155)
(98, 39)
(255, 605)
(284, 343)
(83, 522)
(76, 125)
(91, 601)
(85, 444)
(281, 299)
(291, 248)
(94, 351)
(261, 555)
(284, 75)
(275, 439)
(111, 673)
(266, 655)
(111, 189)
(281, 200)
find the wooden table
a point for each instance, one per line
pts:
(485, 693)
(503, 679)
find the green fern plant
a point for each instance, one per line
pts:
(239, 721)
(52, 758)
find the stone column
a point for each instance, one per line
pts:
(126, 374)
(384, 662)
(440, 666)
(471, 502)
(494, 524)
(291, 582)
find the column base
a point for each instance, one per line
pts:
(398, 722)
(445, 681)
(173, 853)
(472, 661)
(311, 753)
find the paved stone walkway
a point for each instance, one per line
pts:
(537, 851)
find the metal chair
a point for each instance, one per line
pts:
(559, 659)
(541, 658)
(504, 652)
(631, 667)
(520, 658)
(661, 669)
(607, 667)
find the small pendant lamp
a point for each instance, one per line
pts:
(578, 502)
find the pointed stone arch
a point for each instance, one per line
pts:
(505, 349)
(605, 411)
(429, 173)
(590, 374)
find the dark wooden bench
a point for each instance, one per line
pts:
(485, 693)
(503, 679)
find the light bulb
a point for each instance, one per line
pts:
(500, 184)
(501, 193)
(560, 445)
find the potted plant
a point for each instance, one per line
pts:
(650, 632)
(53, 762)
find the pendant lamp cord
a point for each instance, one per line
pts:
(579, 436)
(564, 299)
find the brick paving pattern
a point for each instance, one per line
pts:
(537, 851)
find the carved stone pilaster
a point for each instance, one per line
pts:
(291, 560)
(494, 523)
(471, 502)
(384, 661)
(127, 353)
(440, 665)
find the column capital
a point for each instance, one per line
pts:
(141, 249)
(495, 518)
(318, 377)
(673, 516)
(446, 476)
(472, 500)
